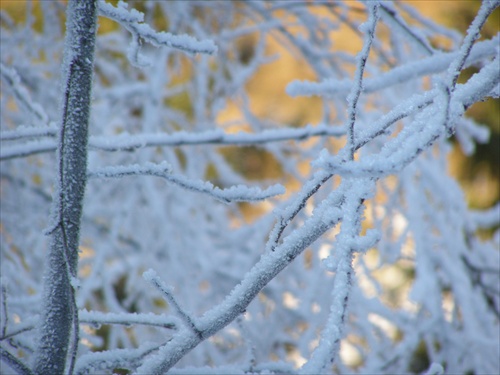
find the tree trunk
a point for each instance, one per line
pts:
(59, 316)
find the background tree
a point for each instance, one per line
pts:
(368, 261)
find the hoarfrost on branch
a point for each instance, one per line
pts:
(321, 205)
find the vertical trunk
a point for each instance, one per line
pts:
(59, 316)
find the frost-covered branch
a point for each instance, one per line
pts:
(290, 212)
(137, 141)
(151, 277)
(372, 248)
(392, 16)
(402, 111)
(217, 137)
(405, 147)
(435, 369)
(27, 149)
(96, 318)
(237, 301)
(14, 363)
(232, 194)
(12, 80)
(361, 58)
(24, 327)
(437, 63)
(352, 99)
(5, 316)
(454, 69)
(133, 22)
(23, 132)
(487, 7)
(352, 207)
(109, 360)
(329, 344)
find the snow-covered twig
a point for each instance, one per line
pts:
(96, 318)
(13, 82)
(5, 314)
(405, 147)
(131, 142)
(390, 14)
(480, 86)
(435, 369)
(456, 66)
(319, 179)
(403, 110)
(233, 194)
(151, 277)
(23, 132)
(399, 100)
(217, 137)
(438, 62)
(288, 214)
(268, 368)
(236, 302)
(14, 363)
(27, 149)
(93, 362)
(473, 33)
(361, 58)
(352, 208)
(132, 21)
(24, 327)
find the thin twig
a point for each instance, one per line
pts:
(154, 280)
(5, 314)
(132, 21)
(138, 141)
(353, 97)
(14, 363)
(233, 194)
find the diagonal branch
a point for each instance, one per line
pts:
(236, 302)
(151, 277)
(14, 363)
